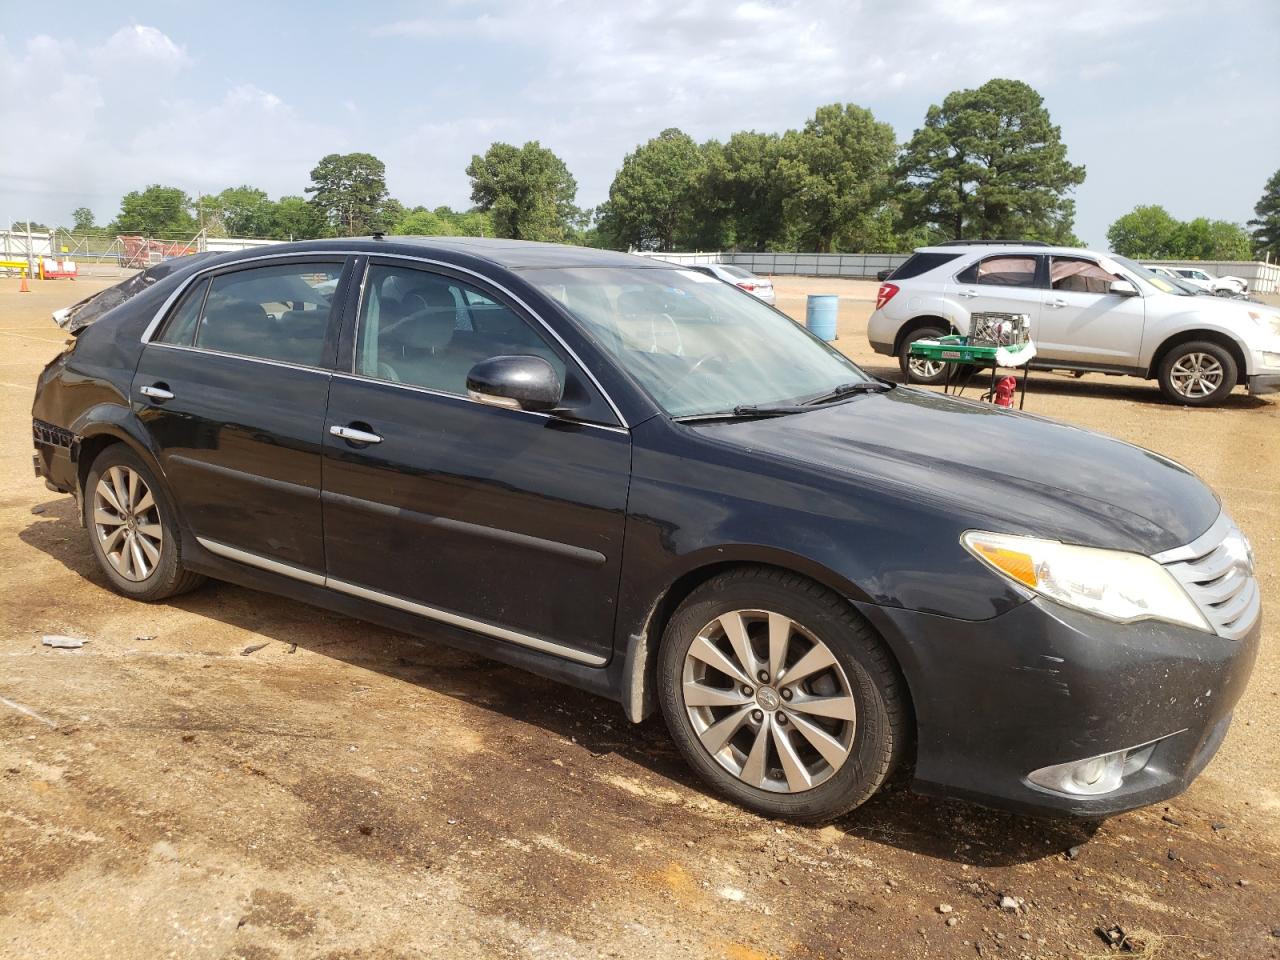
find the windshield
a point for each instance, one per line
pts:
(698, 346)
(1163, 284)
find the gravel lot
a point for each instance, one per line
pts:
(365, 795)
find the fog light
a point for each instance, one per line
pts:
(1094, 776)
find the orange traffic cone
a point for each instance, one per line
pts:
(22, 287)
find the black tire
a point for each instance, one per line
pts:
(879, 730)
(164, 576)
(904, 357)
(1178, 368)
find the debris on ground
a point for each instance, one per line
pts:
(1073, 853)
(1011, 904)
(1168, 819)
(252, 648)
(145, 637)
(59, 642)
(293, 648)
(944, 908)
(1119, 940)
(37, 510)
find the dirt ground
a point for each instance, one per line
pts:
(166, 793)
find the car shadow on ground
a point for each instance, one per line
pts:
(950, 830)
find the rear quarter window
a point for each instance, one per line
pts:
(920, 263)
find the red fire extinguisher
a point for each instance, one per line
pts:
(1004, 391)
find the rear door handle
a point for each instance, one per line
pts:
(157, 391)
(968, 293)
(355, 435)
(1057, 302)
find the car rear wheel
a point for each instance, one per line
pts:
(918, 369)
(780, 696)
(132, 528)
(1197, 374)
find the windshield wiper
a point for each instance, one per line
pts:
(848, 390)
(744, 411)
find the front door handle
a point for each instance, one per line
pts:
(354, 434)
(156, 391)
(968, 293)
(1057, 302)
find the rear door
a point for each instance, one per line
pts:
(232, 388)
(502, 521)
(1083, 321)
(1001, 283)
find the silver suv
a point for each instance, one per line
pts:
(1089, 312)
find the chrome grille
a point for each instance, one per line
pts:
(1216, 570)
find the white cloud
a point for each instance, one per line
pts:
(141, 46)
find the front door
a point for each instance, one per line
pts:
(505, 522)
(233, 389)
(1083, 321)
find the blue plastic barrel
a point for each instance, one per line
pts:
(820, 315)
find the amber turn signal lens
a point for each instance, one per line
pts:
(1015, 564)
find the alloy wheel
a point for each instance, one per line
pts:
(126, 520)
(923, 368)
(769, 701)
(1196, 375)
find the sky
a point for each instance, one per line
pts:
(1175, 103)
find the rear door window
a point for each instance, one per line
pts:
(272, 313)
(1001, 271)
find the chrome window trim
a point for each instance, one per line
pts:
(361, 378)
(325, 371)
(330, 254)
(437, 614)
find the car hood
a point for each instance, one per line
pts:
(1005, 470)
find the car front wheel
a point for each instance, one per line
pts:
(780, 696)
(133, 529)
(1197, 374)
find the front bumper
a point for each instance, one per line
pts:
(1043, 684)
(1263, 383)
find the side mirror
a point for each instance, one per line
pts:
(520, 383)
(1123, 288)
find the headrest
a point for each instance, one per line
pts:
(429, 329)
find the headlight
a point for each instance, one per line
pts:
(1120, 586)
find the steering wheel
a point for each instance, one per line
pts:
(653, 333)
(702, 362)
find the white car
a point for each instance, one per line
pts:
(748, 281)
(1089, 312)
(1223, 286)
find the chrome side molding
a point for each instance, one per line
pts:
(400, 603)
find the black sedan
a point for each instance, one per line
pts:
(648, 484)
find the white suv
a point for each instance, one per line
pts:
(1089, 313)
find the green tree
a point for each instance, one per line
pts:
(296, 218)
(155, 211)
(1266, 221)
(421, 222)
(350, 190)
(1204, 239)
(989, 163)
(467, 223)
(1146, 233)
(652, 198)
(742, 176)
(24, 226)
(246, 211)
(836, 172)
(528, 191)
(82, 220)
